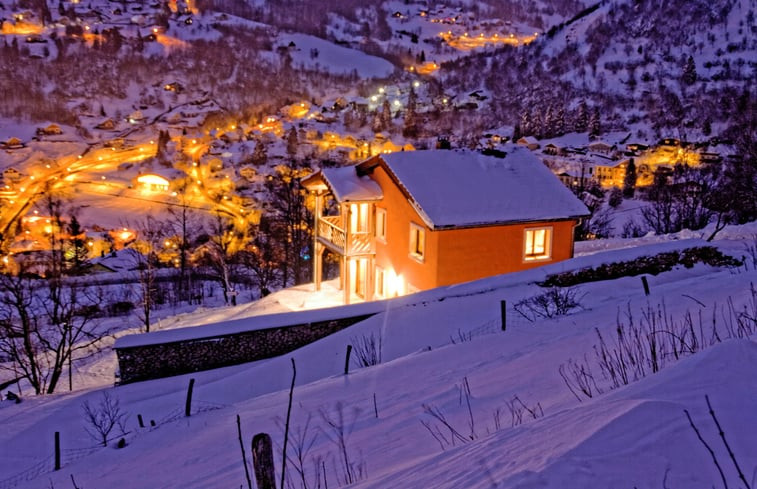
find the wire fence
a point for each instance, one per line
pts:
(71, 455)
(513, 319)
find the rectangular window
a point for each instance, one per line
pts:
(380, 283)
(381, 224)
(359, 218)
(417, 241)
(538, 245)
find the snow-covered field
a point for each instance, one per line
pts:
(436, 346)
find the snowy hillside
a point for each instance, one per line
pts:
(512, 420)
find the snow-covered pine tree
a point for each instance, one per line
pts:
(259, 154)
(292, 142)
(581, 122)
(689, 76)
(410, 128)
(595, 128)
(386, 115)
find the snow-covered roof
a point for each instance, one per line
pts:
(464, 188)
(237, 326)
(347, 186)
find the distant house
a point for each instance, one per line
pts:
(106, 125)
(13, 143)
(152, 182)
(601, 147)
(709, 157)
(12, 175)
(51, 130)
(248, 173)
(175, 87)
(554, 149)
(529, 142)
(135, 117)
(670, 142)
(570, 179)
(416, 220)
(637, 147)
(612, 174)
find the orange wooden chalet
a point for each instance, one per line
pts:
(416, 220)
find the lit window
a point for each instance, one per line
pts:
(417, 241)
(381, 224)
(380, 283)
(538, 244)
(359, 218)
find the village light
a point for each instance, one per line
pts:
(397, 103)
(381, 90)
(374, 98)
(416, 84)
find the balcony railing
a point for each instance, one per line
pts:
(329, 229)
(331, 233)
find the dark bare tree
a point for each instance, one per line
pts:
(144, 256)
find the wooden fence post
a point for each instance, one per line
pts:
(57, 450)
(645, 284)
(188, 406)
(262, 461)
(503, 313)
(347, 360)
(140, 421)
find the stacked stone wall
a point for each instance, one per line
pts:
(154, 361)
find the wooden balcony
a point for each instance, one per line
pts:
(331, 233)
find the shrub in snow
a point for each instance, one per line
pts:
(556, 301)
(662, 262)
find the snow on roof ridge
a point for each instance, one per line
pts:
(459, 188)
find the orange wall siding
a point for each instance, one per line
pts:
(394, 255)
(473, 253)
(456, 255)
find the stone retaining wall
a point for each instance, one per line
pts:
(154, 361)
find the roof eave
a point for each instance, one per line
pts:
(446, 227)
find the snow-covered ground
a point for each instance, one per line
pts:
(436, 346)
